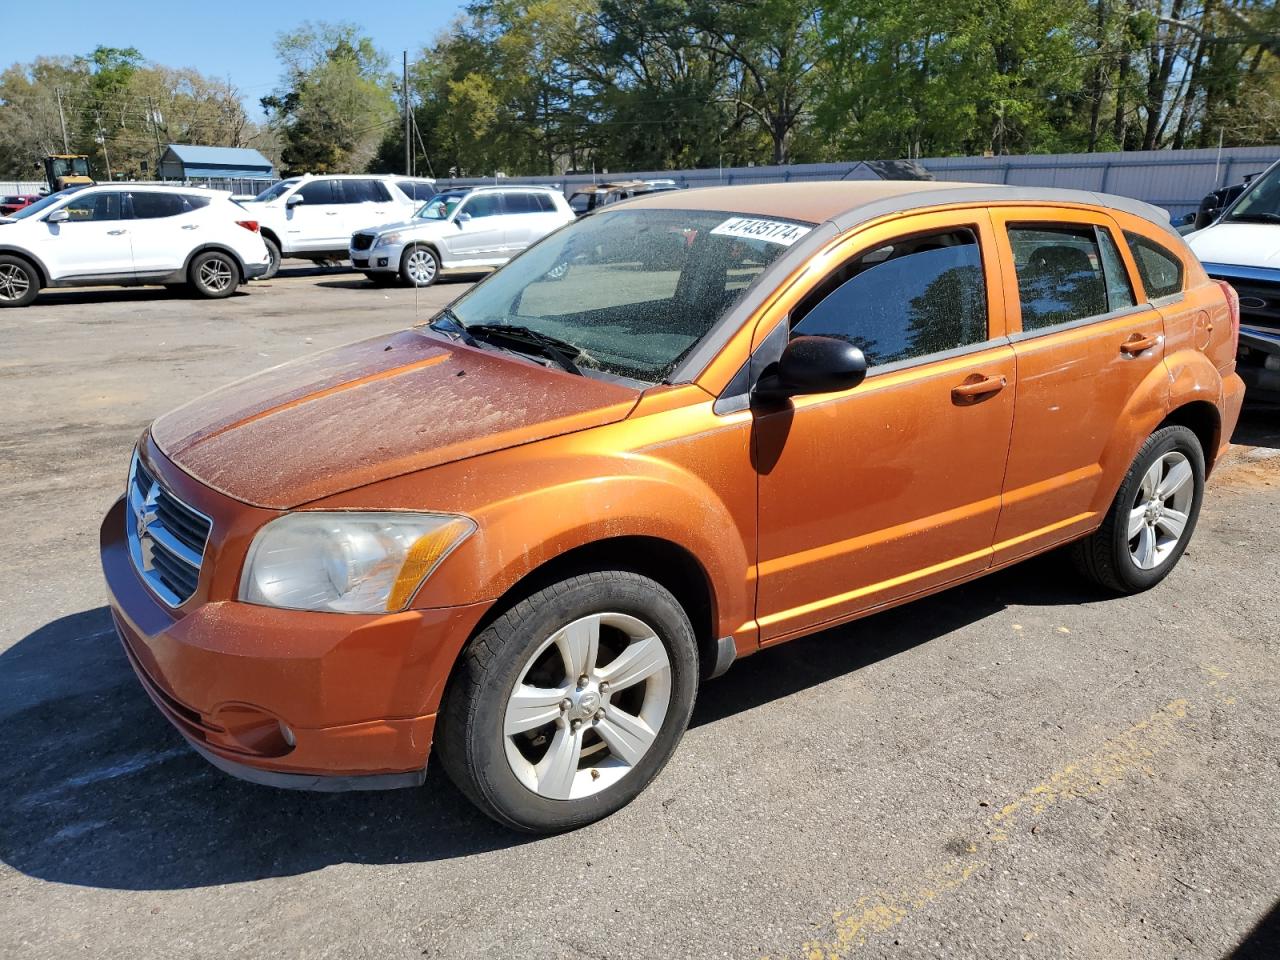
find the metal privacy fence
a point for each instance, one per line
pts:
(1174, 180)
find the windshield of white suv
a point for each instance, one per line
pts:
(42, 205)
(274, 191)
(440, 206)
(630, 293)
(1260, 203)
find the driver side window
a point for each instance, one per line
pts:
(909, 298)
(96, 207)
(484, 205)
(317, 192)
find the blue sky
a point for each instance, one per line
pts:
(229, 38)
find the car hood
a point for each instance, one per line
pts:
(417, 226)
(373, 410)
(1244, 244)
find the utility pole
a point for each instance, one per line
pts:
(62, 119)
(102, 138)
(408, 145)
(152, 112)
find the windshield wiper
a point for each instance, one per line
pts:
(1255, 218)
(561, 352)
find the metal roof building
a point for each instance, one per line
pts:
(182, 161)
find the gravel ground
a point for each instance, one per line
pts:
(1019, 767)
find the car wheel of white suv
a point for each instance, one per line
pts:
(19, 282)
(214, 274)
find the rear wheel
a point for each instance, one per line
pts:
(19, 282)
(273, 252)
(1152, 517)
(214, 275)
(419, 267)
(569, 704)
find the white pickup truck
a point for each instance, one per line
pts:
(1243, 247)
(313, 217)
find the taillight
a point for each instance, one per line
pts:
(250, 225)
(1233, 305)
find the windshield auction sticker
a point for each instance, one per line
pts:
(771, 231)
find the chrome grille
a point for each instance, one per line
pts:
(361, 241)
(166, 537)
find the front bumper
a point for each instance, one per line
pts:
(1258, 362)
(319, 701)
(385, 259)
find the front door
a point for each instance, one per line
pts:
(478, 231)
(318, 223)
(1083, 347)
(94, 242)
(891, 488)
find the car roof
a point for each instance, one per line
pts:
(359, 176)
(846, 203)
(522, 187)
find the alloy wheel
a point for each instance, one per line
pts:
(1161, 509)
(216, 275)
(421, 267)
(587, 706)
(14, 282)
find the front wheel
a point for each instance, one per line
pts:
(419, 267)
(19, 282)
(571, 702)
(1152, 517)
(214, 275)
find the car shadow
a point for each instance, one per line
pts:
(361, 283)
(71, 295)
(1259, 426)
(100, 791)
(1263, 941)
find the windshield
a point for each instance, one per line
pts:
(74, 167)
(272, 192)
(37, 208)
(1260, 202)
(633, 291)
(440, 207)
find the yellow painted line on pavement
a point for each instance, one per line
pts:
(1135, 750)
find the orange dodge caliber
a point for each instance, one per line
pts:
(677, 431)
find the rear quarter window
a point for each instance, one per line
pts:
(1161, 269)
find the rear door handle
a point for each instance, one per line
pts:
(1137, 343)
(977, 387)
(331, 213)
(191, 226)
(115, 233)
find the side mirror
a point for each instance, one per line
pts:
(813, 365)
(294, 200)
(58, 216)
(462, 218)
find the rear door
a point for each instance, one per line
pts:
(164, 226)
(871, 495)
(367, 203)
(1084, 346)
(530, 216)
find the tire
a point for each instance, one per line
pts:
(381, 279)
(273, 251)
(512, 776)
(19, 281)
(214, 274)
(419, 266)
(1136, 547)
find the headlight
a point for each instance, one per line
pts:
(348, 562)
(388, 239)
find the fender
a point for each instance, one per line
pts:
(599, 500)
(1192, 376)
(28, 255)
(221, 248)
(1146, 407)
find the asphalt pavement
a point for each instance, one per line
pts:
(1020, 767)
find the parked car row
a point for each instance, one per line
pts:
(391, 228)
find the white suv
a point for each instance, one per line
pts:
(460, 231)
(129, 234)
(313, 217)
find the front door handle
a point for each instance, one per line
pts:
(977, 387)
(191, 226)
(1137, 343)
(331, 213)
(115, 233)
